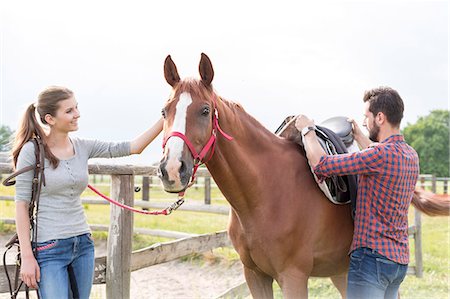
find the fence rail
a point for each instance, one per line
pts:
(189, 207)
(114, 269)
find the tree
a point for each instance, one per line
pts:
(5, 138)
(429, 136)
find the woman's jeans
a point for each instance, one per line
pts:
(67, 267)
(372, 275)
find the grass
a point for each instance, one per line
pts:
(436, 266)
(436, 240)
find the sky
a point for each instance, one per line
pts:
(276, 58)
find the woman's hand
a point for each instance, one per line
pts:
(30, 272)
(143, 140)
(29, 268)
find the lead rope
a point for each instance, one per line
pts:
(166, 211)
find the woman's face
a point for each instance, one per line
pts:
(67, 115)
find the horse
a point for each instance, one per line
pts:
(280, 223)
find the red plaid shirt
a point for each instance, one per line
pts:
(388, 174)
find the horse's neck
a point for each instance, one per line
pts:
(250, 133)
(238, 165)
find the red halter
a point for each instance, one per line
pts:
(209, 146)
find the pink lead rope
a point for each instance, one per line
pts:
(166, 211)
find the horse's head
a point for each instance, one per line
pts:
(188, 125)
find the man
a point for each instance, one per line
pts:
(388, 173)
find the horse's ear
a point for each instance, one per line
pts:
(206, 70)
(170, 71)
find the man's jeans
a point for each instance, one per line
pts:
(67, 267)
(372, 275)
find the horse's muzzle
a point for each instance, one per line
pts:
(175, 176)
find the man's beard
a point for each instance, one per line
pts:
(373, 133)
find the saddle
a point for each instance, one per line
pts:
(336, 137)
(340, 127)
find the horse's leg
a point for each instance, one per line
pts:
(294, 284)
(340, 282)
(260, 284)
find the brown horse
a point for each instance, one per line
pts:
(281, 224)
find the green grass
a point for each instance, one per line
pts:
(436, 273)
(436, 240)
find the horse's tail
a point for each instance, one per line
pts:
(430, 203)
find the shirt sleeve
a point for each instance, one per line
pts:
(24, 181)
(106, 149)
(368, 161)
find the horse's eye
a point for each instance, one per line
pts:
(163, 113)
(205, 111)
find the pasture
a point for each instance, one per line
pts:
(436, 239)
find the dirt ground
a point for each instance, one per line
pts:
(176, 279)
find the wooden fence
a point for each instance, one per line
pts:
(114, 270)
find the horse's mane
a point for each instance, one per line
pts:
(198, 89)
(194, 87)
(232, 104)
(291, 135)
(238, 110)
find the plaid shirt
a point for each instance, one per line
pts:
(388, 173)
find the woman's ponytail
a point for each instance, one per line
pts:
(29, 127)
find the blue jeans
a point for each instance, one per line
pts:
(372, 275)
(67, 267)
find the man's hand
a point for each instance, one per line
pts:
(356, 129)
(359, 136)
(314, 150)
(303, 121)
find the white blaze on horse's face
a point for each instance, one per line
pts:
(174, 146)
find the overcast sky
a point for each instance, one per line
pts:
(276, 58)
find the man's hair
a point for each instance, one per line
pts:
(386, 100)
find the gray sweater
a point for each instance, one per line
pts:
(61, 214)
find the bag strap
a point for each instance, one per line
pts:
(7, 182)
(37, 167)
(38, 180)
(40, 160)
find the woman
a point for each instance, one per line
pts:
(65, 251)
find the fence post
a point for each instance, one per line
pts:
(145, 189)
(418, 243)
(196, 183)
(118, 262)
(445, 186)
(422, 182)
(433, 183)
(207, 190)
